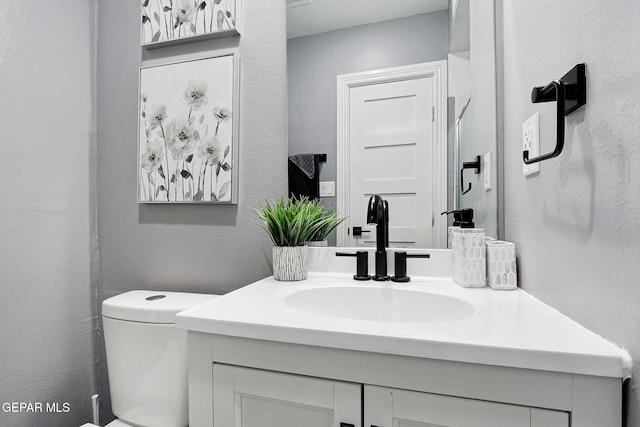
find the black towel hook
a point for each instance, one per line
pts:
(570, 93)
(469, 165)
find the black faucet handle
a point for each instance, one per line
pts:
(400, 265)
(418, 255)
(362, 264)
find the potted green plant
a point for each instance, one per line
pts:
(291, 223)
(329, 220)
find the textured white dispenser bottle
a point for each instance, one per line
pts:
(469, 253)
(501, 265)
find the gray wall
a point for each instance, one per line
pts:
(206, 248)
(315, 61)
(576, 223)
(47, 290)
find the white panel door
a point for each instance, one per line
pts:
(244, 397)
(385, 407)
(391, 154)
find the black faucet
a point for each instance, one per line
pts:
(378, 214)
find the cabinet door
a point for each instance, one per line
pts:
(385, 407)
(244, 397)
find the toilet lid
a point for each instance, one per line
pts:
(151, 306)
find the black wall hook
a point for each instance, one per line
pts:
(570, 93)
(469, 165)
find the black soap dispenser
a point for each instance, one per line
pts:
(466, 219)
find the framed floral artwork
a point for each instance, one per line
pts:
(188, 131)
(166, 22)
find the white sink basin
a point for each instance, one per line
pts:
(379, 304)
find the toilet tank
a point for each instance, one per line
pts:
(147, 356)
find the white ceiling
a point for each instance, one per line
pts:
(327, 15)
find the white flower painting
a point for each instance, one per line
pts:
(187, 137)
(171, 20)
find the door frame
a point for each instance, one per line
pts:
(437, 70)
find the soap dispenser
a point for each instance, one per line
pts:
(469, 253)
(457, 218)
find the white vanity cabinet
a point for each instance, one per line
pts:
(254, 357)
(237, 382)
(246, 397)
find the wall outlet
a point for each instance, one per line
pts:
(531, 142)
(486, 171)
(327, 188)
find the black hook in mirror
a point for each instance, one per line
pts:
(469, 165)
(570, 93)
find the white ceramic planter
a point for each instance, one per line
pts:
(290, 263)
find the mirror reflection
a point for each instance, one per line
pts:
(380, 91)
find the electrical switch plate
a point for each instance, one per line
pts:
(531, 142)
(486, 171)
(327, 188)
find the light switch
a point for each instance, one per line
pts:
(531, 142)
(327, 188)
(486, 171)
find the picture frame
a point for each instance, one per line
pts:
(169, 22)
(188, 129)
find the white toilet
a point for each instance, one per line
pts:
(147, 357)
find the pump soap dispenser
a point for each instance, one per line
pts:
(469, 253)
(457, 218)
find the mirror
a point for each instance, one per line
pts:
(473, 101)
(356, 38)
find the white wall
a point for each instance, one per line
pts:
(576, 224)
(47, 138)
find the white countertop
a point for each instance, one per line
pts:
(508, 328)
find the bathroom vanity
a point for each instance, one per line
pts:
(330, 351)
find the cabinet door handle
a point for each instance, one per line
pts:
(346, 425)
